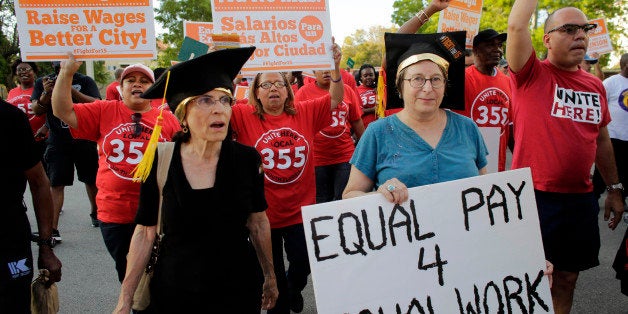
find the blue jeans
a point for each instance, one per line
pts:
(117, 238)
(331, 181)
(292, 239)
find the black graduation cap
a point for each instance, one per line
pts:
(449, 46)
(200, 75)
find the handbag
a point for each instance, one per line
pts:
(141, 297)
(44, 300)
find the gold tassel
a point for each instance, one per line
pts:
(381, 94)
(142, 170)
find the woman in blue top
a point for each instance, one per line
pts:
(423, 143)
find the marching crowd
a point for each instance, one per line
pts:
(240, 171)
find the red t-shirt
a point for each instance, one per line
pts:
(113, 92)
(557, 116)
(285, 143)
(109, 123)
(368, 96)
(21, 98)
(334, 144)
(487, 101)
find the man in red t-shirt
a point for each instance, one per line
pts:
(333, 145)
(487, 94)
(113, 90)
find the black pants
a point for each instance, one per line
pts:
(117, 238)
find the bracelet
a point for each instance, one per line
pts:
(338, 80)
(422, 13)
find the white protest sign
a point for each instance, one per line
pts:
(491, 139)
(599, 39)
(470, 245)
(289, 35)
(461, 15)
(90, 29)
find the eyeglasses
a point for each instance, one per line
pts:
(206, 102)
(268, 85)
(23, 70)
(572, 29)
(418, 81)
(137, 117)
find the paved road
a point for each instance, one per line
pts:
(89, 283)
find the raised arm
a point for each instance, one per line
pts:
(519, 44)
(420, 18)
(62, 105)
(336, 86)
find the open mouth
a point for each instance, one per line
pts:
(273, 97)
(217, 125)
(137, 92)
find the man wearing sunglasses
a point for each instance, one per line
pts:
(560, 122)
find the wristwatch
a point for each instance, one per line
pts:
(44, 93)
(50, 242)
(613, 187)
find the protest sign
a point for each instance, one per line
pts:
(289, 36)
(461, 15)
(465, 246)
(90, 29)
(599, 39)
(201, 31)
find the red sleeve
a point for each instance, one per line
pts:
(88, 120)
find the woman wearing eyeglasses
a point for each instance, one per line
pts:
(423, 143)
(215, 256)
(20, 96)
(122, 129)
(283, 131)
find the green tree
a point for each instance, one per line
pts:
(495, 15)
(365, 46)
(9, 45)
(171, 14)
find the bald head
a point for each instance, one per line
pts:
(563, 16)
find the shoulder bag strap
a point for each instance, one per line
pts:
(164, 157)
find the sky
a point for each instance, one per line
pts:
(347, 16)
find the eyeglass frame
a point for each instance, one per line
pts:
(23, 70)
(583, 27)
(282, 83)
(137, 118)
(444, 80)
(225, 100)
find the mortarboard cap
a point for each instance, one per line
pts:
(410, 47)
(200, 75)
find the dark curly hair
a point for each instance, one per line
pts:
(19, 61)
(366, 66)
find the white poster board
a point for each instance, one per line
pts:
(90, 29)
(288, 35)
(461, 15)
(466, 244)
(599, 39)
(491, 139)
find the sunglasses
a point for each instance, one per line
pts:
(572, 29)
(136, 118)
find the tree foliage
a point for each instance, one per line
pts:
(495, 15)
(365, 46)
(171, 14)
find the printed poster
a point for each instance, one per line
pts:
(289, 36)
(461, 15)
(599, 39)
(90, 29)
(466, 246)
(201, 31)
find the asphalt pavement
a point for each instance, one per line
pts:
(89, 283)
